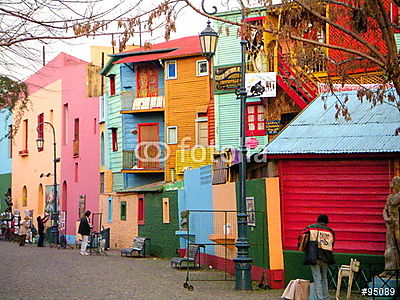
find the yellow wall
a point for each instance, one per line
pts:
(26, 170)
(274, 223)
(122, 232)
(182, 97)
(224, 198)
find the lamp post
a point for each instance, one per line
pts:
(40, 144)
(242, 260)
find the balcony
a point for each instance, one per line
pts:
(23, 152)
(151, 159)
(75, 148)
(149, 101)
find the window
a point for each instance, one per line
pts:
(102, 182)
(255, 120)
(24, 196)
(109, 209)
(40, 127)
(123, 210)
(76, 138)
(112, 84)
(170, 70)
(172, 135)
(141, 210)
(202, 130)
(114, 138)
(287, 118)
(201, 68)
(165, 206)
(65, 127)
(76, 172)
(24, 150)
(102, 150)
(95, 125)
(359, 21)
(102, 108)
(10, 136)
(64, 196)
(76, 129)
(147, 81)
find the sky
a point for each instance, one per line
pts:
(188, 23)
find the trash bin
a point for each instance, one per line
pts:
(106, 235)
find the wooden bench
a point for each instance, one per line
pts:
(139, 248)
(190, 258)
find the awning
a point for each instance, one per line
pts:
(140, 58)
(152, 187)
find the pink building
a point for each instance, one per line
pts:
(58, 95)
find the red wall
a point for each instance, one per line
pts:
(351, 192)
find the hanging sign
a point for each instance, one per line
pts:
(227, 79)
(261, 84)
(273, 126)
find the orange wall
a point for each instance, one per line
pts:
(224, 198)
(26, 170)
(182, 96)
(274, 223)
(122, 232)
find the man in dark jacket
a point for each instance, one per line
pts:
(319, 254)
(84, 230)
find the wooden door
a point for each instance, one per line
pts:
(147, 81)
(149, 148)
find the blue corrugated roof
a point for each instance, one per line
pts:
(315, 130)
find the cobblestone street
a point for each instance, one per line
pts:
(44, 273)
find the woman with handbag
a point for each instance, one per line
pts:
(319, 254)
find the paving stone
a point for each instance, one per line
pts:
(44, 273)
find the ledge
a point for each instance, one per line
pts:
(137, 111)
(23, 152)
(224, 240)
(184, 234)
(142, 171)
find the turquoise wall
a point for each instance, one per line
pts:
(5, 160)
(114, 120)
(227, 106)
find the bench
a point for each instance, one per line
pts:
(139, 247)
(190, 257)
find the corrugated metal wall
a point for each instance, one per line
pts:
(351, 192)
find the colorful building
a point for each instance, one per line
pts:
(58, 95)
(157, 98)
(339, 168)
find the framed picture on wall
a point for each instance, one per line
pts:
(251, 212)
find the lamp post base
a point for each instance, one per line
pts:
(243, 274)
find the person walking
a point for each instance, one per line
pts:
(41, 221)
(84, 230)
(319, 254)
(23, 231)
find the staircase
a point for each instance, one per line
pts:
(296, 83)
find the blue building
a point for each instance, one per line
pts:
(5, 156)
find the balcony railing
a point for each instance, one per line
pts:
(146, 158)
(75, 148)
(139, 100)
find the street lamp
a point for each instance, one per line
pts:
(242, 260)
(40, 145)
(208, 41)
